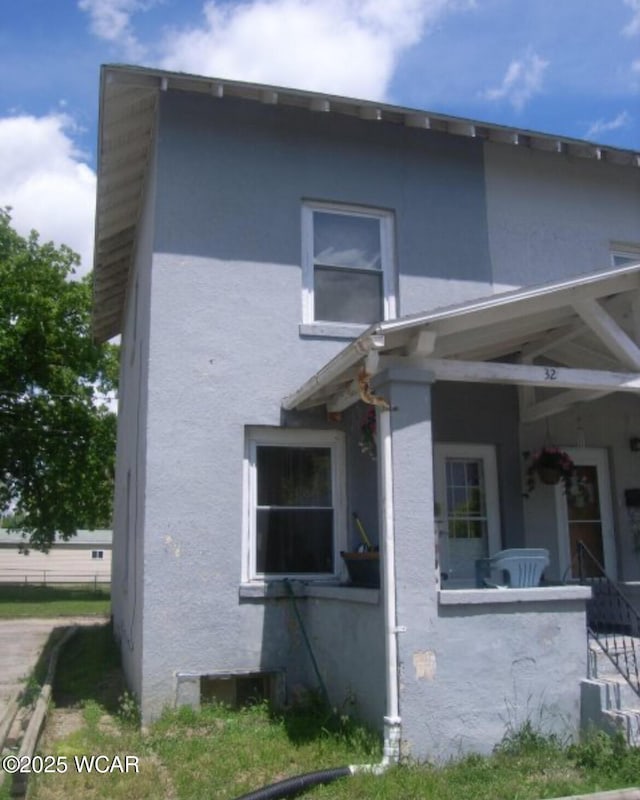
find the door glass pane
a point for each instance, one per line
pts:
(466, 515)
(585, 518)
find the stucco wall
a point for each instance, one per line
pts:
(130, 486)
(348, 643)
(484, 670)
(224, 341)
(553, 217)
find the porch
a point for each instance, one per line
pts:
(462, 396)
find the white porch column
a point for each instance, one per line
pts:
(406, 492)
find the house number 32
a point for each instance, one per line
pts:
(550, 373)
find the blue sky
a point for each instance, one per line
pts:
(569, 67)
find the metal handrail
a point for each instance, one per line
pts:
(611, 619)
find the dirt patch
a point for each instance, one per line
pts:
(61, 722)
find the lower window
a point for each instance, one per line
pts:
(296, 502)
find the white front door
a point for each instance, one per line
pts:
(587, 517)
(467, 509)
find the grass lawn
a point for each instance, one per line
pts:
(64, 600)
(220, 753)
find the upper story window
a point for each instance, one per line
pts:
(348, 264)
(295, 502)
(622, 256)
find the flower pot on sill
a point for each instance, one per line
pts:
(549, 475)
(363, 568)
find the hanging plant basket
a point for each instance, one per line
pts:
(549, 466)
(549, 475)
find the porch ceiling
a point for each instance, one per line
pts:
(574, 340)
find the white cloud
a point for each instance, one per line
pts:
(45, 182)
(633, 27)
(603, 126)
(342, 46)
(111, 21)
(522, 80)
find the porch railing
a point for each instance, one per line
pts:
(611, 619)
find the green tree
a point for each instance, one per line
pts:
(57, 435)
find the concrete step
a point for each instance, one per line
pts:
(628, 722)
(616, 691)
(608, 702)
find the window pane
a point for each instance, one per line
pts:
(294, 540)
(620, 259)
(294, 476)
(473, 473)
(341, 240)
(345, 296)
(458, 528)
(478, 529)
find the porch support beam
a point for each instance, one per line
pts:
(306, 396)
(609, 332)
(635, 311)
(551, 340)
(526, 394)
(422, 344)
(522, 374)
(556, 404)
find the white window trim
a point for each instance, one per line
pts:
(387, 256)
(292, 437)
(626, 251)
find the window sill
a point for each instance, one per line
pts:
(537, 594)
(324, 591)
(331, 330)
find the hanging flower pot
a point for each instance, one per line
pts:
(549, 475)
(367, 441)
(549, 466)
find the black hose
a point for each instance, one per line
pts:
(296, 785)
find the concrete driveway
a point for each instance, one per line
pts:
(21, 642)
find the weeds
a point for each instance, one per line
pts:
(220, 753)
(128, 710)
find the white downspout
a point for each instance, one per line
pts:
(392, 720)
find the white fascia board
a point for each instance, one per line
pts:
(514, 304)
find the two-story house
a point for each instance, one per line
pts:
(331, 307)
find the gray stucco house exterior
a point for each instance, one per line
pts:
(292, 272)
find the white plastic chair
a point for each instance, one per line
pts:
(524, 566)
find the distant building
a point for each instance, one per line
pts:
(85, 558)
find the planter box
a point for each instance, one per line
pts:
(364, 568)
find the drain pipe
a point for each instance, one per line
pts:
(392, 720)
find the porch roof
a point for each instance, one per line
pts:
(577, 337)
